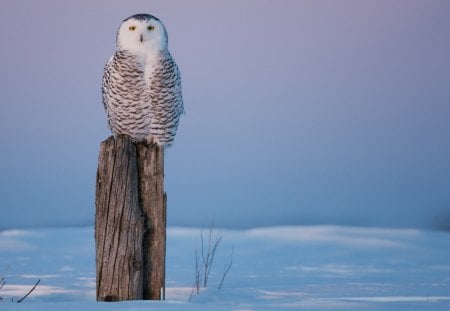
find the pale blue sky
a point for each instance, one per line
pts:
(298, 112)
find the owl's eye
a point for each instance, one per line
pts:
(132, 28)
(150, 27)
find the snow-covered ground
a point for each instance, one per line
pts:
(280, 268)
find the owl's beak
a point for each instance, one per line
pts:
(142, 38)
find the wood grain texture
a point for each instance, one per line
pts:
(130, 221)
(152, 199)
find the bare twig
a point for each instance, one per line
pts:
(208, 259)
(2, 282)
(203, 268)
(226, 269)
(31, 290)
(2, 279)
(198, 272)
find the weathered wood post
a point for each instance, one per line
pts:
(130, 221)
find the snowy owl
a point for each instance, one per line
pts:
(141, 86)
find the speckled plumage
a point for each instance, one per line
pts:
(141, 86)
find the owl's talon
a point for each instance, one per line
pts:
(151, 140)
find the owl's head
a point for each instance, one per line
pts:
(142, 33)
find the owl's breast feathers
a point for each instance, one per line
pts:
(143, 99)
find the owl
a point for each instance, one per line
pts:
(141, 87)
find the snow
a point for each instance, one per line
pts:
(277, 268)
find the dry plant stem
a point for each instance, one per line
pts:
(31, 290)
(208, 259)
(203, 270)
(2, 282)
(226, 269)
(198, 272)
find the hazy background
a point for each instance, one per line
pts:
(298, 112)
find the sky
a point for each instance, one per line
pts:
(297, 112)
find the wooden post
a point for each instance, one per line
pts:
(130, 221)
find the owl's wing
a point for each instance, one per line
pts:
(177, 78)
(107, 89)
(106, 82)
(166, 97)
(165, 83)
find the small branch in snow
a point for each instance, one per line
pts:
(198, 273)
(31, 290)
(226, 269)
(208, 259)
(2, 282)
(203, 268)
